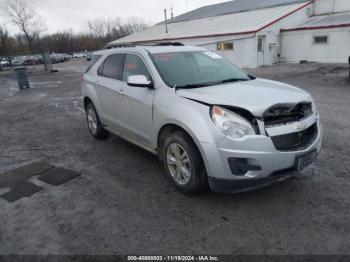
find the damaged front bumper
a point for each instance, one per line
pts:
(254, 162)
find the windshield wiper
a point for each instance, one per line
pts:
(199, 85)
(196, 85)
(230, 80)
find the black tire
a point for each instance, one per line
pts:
(198, 181)
(98, 132)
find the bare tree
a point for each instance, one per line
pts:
(26, 19)
(104, 28)
(112, 27)
(7, 46)
(108, 29)
(135, 24)
(97, 27)
(3, 37)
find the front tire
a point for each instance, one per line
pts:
(183, 164)
(94, 124)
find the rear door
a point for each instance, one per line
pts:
(136, 106)
(109, 89)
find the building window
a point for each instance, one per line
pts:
(320, 40)
(225, 46)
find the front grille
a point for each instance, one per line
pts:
(296, 141)
(284, 114)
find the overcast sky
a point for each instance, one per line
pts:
(73, 14)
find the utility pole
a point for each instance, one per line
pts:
(166, 21)
(333, 6)
(349, 67)
(1, 35)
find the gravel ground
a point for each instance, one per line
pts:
(123, 204)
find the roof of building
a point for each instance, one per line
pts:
(232, 7)
(323, 22)
(225, 25)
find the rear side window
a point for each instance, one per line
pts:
(93, 61)
(134, 65)
(112, 67)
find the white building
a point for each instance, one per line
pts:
(324, 37)
(262, 32)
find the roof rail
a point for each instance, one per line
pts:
(165, 44)
(118, 45)
(121, 45)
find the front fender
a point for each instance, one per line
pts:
(192, 116)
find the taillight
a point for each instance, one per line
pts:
(82, 78)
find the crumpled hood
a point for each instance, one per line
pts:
(255, 96)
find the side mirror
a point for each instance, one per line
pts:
(252, 77)
(139, 81)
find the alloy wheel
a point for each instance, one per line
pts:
(92, 120)
(179, 163)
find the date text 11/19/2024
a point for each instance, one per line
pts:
(173, 258)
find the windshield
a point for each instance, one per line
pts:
(196, 69)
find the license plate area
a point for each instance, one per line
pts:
(305, 160)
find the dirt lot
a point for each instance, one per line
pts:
(123, 204)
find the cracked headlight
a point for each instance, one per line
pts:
(230, 123)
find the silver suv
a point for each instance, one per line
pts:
(207, 120)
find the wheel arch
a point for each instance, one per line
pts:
(169, 128)
(87, 100)
(90, 95)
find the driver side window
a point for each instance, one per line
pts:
(134, 65)
(112, 67)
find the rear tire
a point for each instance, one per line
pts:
(183, 164)
(94, 124)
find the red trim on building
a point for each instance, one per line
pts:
(199, 36)
(316, 27)
(232, 34)
(281, 18)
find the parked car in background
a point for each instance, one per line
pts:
(89, 56)
(207, 120)
(38, 59)
(30, 60)
(57, 58)
(26, 60)
(18, 61)
(62, 57)
(67, 57)
(54, 58)
(79, 55)
(5, 63)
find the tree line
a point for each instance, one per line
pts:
(33, 40)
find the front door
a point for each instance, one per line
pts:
(109, 89)
(136, 106)
(261, 50)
